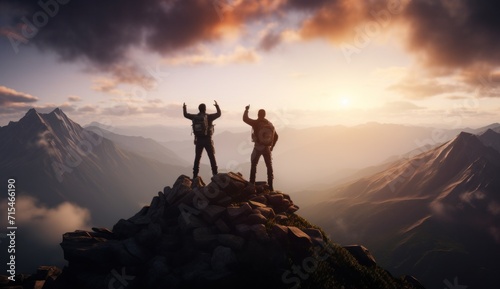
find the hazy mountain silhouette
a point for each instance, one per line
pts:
(435, 215)
(330, 153)
(55, 161)
(145, 147)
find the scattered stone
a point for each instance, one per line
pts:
(315, 235)
(280, 233)
(362, 255)
(280, 217)
(191, 236)
(255, 219)
(298, 237)
(222, 226)
(260, 232)
(235, 212)
(197, 183)
(212, 212)
(255, 204)
(222, 259)
(203, 236)
(267, 212)
(260, 199)
(125, 229)
(231, 241)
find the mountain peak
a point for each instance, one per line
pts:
(215, 236)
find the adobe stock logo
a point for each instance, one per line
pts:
(39, 19)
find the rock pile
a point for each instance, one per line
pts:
(193, 235)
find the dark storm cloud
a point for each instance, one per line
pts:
(444, 33)
(454, 33)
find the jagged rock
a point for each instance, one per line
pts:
(298, 237)
(292, 209)
(125, 229)
(193, 236)
(280, 233)
(140, 218)
(149, 236)
(103, 232)
(414, 281)
(260, 199)
(222, 259)
(157, 273)
(135, 250)
(362, 255)
(253, 219)
(222, 226)
(280, 217)
(255, 204)
(266, 212)
(231, 241)
(203, 236)
(181, 186)
(212, 212)
(235, 212)
(197, 183)
(275, 199)
(315, 235)
(260, 232)
(243, 230)
(188, 222)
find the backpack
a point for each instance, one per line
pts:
(200, 125)
(264, 134)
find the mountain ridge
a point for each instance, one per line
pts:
(411, 210)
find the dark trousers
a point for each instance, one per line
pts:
(207, 144)
(265, 151)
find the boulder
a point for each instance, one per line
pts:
(212, 212)
(222, 259)
(260, 232)
(362, 255)
(298, 237)
(315, 235)
(124, 229)
(253, 219)
(232, 241)
(236, 212)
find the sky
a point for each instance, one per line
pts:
(308, 63)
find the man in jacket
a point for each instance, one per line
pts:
(203, 129)
(265, 137)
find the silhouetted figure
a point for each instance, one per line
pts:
(203, 130)
(265, 137)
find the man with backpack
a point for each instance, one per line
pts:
(203, 130)
(265, 137)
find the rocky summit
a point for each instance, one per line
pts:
(227, 234)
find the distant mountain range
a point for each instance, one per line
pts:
(56, 161)
(435, 215)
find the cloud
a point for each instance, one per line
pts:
(238, 55)
(74, 98)
(48, 224)
(9, 96)
(441, 34)
(456, 34)
(421, 88)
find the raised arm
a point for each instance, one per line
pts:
(186, 114)
(246, 119)
(218, 113)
